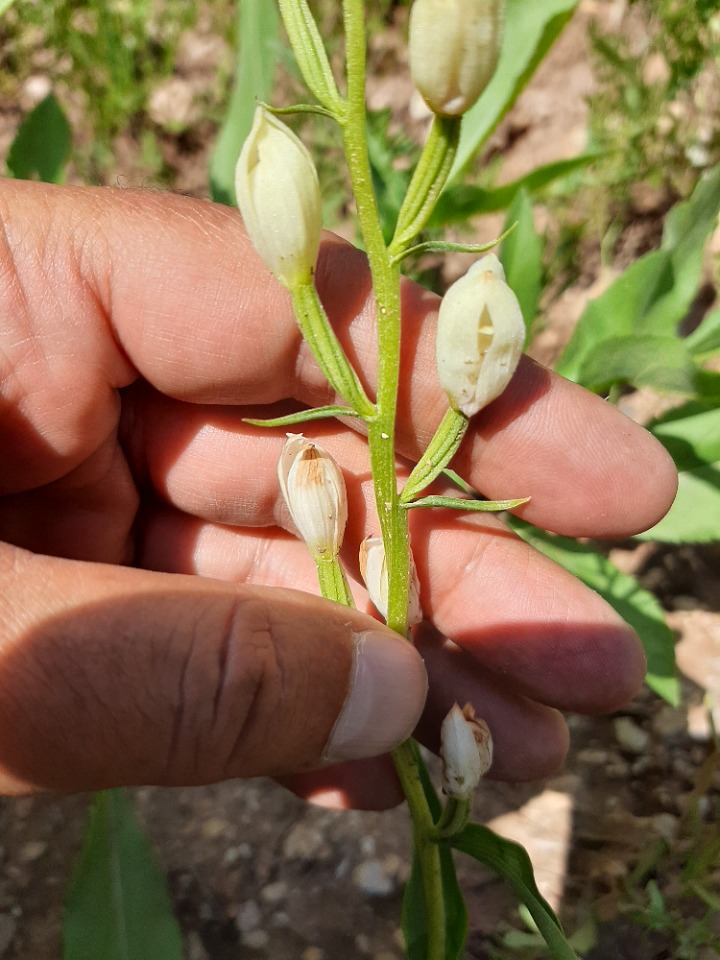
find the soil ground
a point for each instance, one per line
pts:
(253, 872)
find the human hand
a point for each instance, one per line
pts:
(139, 329)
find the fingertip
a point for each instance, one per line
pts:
(386, 695)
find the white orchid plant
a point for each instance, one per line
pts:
(454, 47)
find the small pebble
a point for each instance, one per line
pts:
(256, 939)
(248, 916)
(372, 878)
(630, 735)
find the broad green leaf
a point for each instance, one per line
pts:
(258, 44)
(655, 292)
(521, 257)
(461, 201)
(662, 363)
(531, 28)
(704, 342)
(511, 862)
(634, 604)
(42, 145)
(691, 435)
(117, 906)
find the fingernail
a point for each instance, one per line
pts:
(388, 685)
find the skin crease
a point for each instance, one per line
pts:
(139, 330)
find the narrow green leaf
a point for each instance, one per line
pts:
(303, 416)
(662, 363)
(511, 861)
(521, 257)
(655, 292)
(258, 44)
(42, 146)
(310, 52)
(634, 604)
(117, 906)
(691, 435)
(530, 31)
(461, 201)
(704, 342)
(457, 503)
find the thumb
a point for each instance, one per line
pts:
(111, 676)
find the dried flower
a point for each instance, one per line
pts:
(454, 49)
(314, 490)
(278, 194)
(480, 336)
(465, 750)
(374, 570)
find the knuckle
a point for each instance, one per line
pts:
(229, 690)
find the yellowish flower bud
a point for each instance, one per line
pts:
(374, 570)
(454, 49)
(480, 336)
(278, 194)
(465, 751)
(314, 490)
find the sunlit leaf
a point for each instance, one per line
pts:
(521, 257)
(258, 44)
(654, 293)
(511, 862)
(635, 605)
(662, 363)
(704, 342)
(691, 435)
(530, 31)
(117, 906)
(462, 200)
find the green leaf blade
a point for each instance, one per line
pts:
(530, 31)
(42, 146)
(512, 862)
(117, 906)
(258, 44)
(655, 293)
(522, 258)
(635, 605)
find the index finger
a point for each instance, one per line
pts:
(192, 309)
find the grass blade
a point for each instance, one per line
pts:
(117, 905)
(258, 42)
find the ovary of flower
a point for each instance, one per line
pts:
(454, 47)
(374, 570)
(278, 193)
(480, 336)
(466, 751)
(314, 490)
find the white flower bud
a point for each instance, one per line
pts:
(480, 336)
(454, 48)
(314, 490)
(374, 570)
(465, 751)
(278, 194)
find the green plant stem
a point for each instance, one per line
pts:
(454, 818)
(381, 439)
